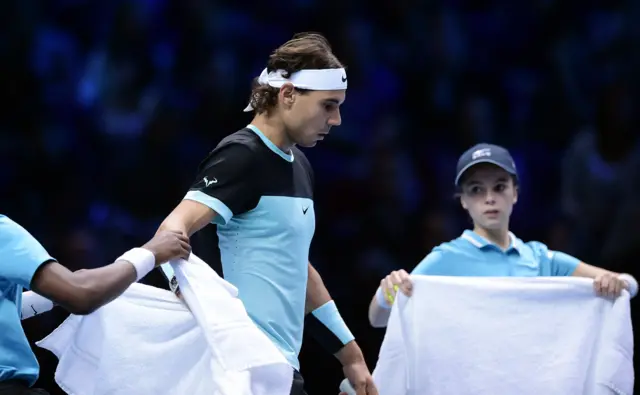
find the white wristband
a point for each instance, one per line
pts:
(142, 260)
(632, 284)
(34, 304)
(382, 301)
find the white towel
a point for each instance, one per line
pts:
(148, 342)
(488, 336)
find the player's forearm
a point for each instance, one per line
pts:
(589, 271)
(350, 354)
(106, 283)
(317, 293)
(174, 224)
(378, 314)
(325, 323)
(83, 291)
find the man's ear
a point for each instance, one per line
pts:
(287, 95)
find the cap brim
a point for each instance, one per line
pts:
(508, 169)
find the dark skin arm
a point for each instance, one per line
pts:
(84, 291)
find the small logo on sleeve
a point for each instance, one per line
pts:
(208, 182)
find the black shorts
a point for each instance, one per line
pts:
(298, 384)
(16, 387)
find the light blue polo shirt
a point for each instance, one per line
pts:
(20, 256)
(471, 255)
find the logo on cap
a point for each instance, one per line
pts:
(480, 153)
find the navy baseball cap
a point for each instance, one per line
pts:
(485, 153)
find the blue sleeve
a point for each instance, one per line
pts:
(20, 253)
(557, 263)
(563, 264)
(431, 265)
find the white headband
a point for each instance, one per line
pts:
(315, 80)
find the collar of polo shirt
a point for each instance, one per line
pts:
(481, 242)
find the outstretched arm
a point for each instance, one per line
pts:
(23, 261)
(84, 291)
(606, 282)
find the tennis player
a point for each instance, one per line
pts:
(257, 187)
(24, 263)
(487, 181)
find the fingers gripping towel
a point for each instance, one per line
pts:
(488, 336)
(148, 342)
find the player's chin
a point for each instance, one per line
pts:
(493, 224)
(308, 144)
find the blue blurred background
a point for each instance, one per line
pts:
(108, 107)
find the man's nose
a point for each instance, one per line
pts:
(335, 119)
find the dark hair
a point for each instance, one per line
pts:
(304, 51)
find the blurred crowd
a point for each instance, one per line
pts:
(109, 106)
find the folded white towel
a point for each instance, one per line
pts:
(148, 342)
(525, 336)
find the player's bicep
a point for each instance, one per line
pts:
(20, 253)
(227, 183)
(189, 217)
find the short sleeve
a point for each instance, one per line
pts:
(226, 182)
(20, 253)
(431, 265)
(563, 264)
(557, 263)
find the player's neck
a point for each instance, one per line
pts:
(499, 237)
(274, 130)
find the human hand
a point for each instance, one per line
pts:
(358, 376)
(168, 245)
(609, 285)
(397, 280)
